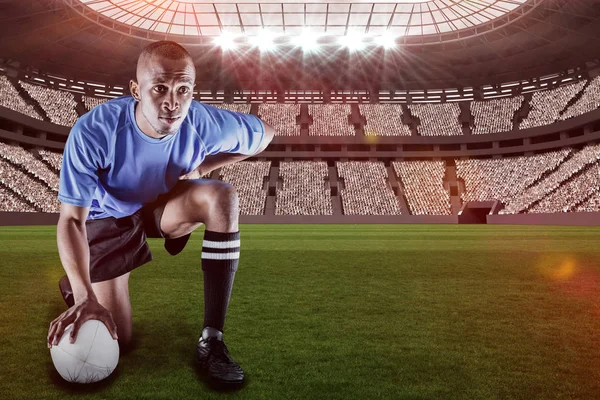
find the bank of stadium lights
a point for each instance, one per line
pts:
(387, 40)
(226, 41)
(308, 40)
(265, 40)
(354, 41)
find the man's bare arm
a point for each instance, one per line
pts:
(213, 162)
(74, 250)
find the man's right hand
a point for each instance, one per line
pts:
(78, 314)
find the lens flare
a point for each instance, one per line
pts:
(557, 268)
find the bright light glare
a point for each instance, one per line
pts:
(264, 40)
(352, 40)
(226, 40)
(386, 40)
(307, 40)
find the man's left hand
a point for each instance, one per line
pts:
(194, 174)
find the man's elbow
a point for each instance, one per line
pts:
(269, 132)
(268, 137)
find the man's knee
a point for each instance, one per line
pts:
(219, 197)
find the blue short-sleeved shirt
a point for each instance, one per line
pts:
(111, 166)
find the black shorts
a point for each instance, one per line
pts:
(118, 245)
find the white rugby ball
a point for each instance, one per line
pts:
(91, 358)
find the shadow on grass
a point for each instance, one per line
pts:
(80, 388)
(215, 385)
(145, 349)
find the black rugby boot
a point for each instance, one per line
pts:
(214, 361)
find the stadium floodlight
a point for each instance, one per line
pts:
(226, 41)
(264, 40)
(307, 40)
(353, 41)
(387, 40)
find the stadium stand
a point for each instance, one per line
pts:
(303, 190)
(592, 204)
(247, 177)
(237, 107)
(330, 120)
(59, 105)
(21, 157)
(546, 105)
(366, 191)
(384, 120)
(282, 117)
(571, 193)
(13, 204)
(437, 119)
(492, 116)
(91, 102)
(503, 178)
(52, 158)
(424, 187)
(589, 101)
(10, 98)
(31, 190)
(568, 168)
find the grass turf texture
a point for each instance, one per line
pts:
(337, 312)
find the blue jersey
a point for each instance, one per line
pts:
(111, 166)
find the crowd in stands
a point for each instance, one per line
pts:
(330, 120)
(366, 189)
(282, 117)
(10, 98)
(10, 203)
(236, 107)
(91, 102)
(21, 157)
(52, 158)
(59, 105)
(572, 165)
(589, 100)
(384, 120)
(503, 178)
(558, 181)
(492, 116)
(546, 105)
(247, 177)
(303, 190)
(592, 204)
(571, 193)
(440, 119)
(30, 189)
(424, 187)
(435, 119)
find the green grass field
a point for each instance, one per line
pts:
(337, 312)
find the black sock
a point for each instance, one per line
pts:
(220, 257)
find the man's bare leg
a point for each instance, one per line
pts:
(114, 296)
(215, 204)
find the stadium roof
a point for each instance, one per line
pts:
(537, 38)
(207, 18)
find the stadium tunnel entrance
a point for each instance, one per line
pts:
(476, 212)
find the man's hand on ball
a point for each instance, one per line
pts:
(77, 315)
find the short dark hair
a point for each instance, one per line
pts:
(167, 49)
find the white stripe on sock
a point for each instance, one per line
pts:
(221, 245)
(221, 256)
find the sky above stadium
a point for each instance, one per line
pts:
(287, 17)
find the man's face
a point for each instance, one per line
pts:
(164, 89)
